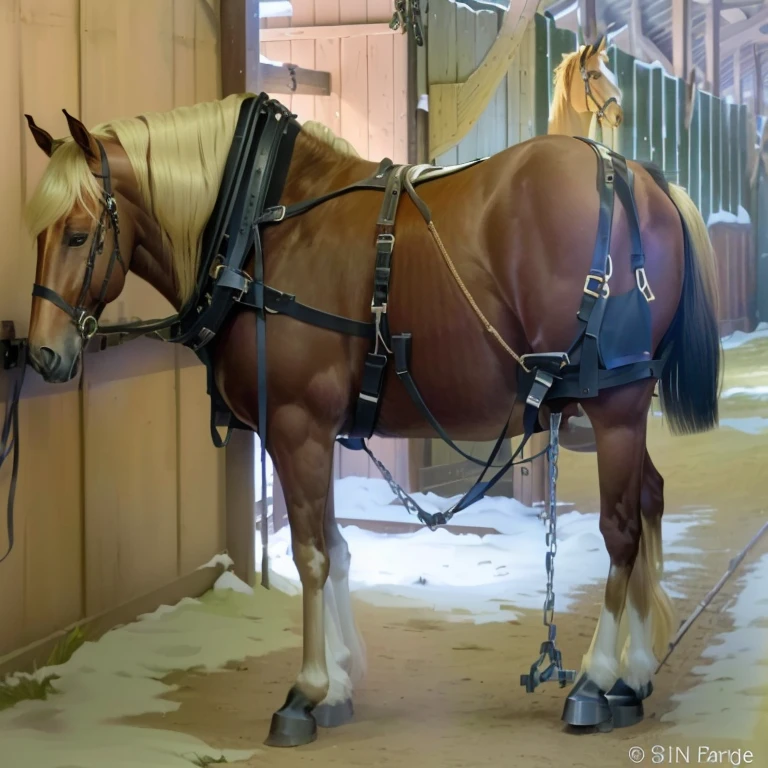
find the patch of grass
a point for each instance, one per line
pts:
(205, 761)
(26, 689)
(29, 688)
(66, 647)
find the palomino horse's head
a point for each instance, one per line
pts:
(584, 82)
(83, 249)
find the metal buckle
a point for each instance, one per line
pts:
(377, 312)
(541, 383)
(387, 239)
(599, 280)
(246, 279)
(643, 285)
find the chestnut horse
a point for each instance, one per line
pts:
(519, 229)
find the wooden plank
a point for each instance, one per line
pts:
(303, 55)
(442, 64)
(296, 81)
(201, 470)
(716, 169)
(404, 124)
(734, 142)
(705, 149)
(36, 654)
(542, 69)
(328, 59)
(131, 542)
(681, 38)
(657, 116)
(625, 76)
(353, 11)
(381, 97)
(492, 124)
(466, 62)
(744, 172)
(183, 53)
(642, 110)
(379, 11)
(240, 490)
(683, 135)
(208, 86)
(514, 94)
(670, 117)
(694, 156)
(354, 93)
(725, 158)
(712, 44)
(233, 46)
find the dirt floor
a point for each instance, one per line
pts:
(443, 693)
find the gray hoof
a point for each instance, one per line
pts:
(334, 715)
(626, 705)
(586, 705)
(293, 725)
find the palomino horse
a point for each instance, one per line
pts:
(490, 286)
(586, 95)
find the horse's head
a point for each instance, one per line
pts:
(589, 85)
(83, 248)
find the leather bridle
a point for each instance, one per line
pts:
(591, 74)
(86, 321)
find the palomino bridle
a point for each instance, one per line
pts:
(592, 74)
(87, 322)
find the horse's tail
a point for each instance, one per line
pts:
(691, 380)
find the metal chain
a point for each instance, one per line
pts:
(548, 650)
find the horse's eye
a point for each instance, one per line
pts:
(78, 239)
(597, 75)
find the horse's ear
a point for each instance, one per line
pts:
(82, 137)
(43, 139)
(599, 46)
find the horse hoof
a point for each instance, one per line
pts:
(586, 705)
(293, 725)
(334, 715)
(626, 705)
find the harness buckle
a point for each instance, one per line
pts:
(378, 311)
(272, 215)
(594, 291)
(643, 285)
(87, 325)
(541, 385)
(387, 240)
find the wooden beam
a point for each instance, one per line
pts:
(652, 52)
(288, 78)
(588, 20)
(455, 107)
(712, 45)
(239, 46)
(743, 33)
(737, 91)
(681, 37)
(240, 73)
(338, 31)
(759, 85)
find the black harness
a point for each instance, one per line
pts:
(612, 347)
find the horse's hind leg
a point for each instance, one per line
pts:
(650, 615)
(302, 450)
(619, 420)
(345, 650)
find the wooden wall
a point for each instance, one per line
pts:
(121, 491)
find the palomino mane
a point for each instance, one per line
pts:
(561, 98)
(178, 158)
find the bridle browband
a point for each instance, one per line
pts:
(87, 322)
(586, 76)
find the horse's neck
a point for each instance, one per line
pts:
(568, 122)
(317, 169)
(151, 259)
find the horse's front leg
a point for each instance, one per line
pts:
(302, 450)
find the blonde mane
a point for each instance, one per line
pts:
(178, 158)
(562, 113)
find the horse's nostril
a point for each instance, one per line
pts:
(49, 359)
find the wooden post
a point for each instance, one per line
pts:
(759, 85)
(681, 38)
(239, 73)
(737, 90)
(588, 20)
(712, 45)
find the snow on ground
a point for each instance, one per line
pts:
(469, 574)
(120, 676)
(732, 695)
(739, 338)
